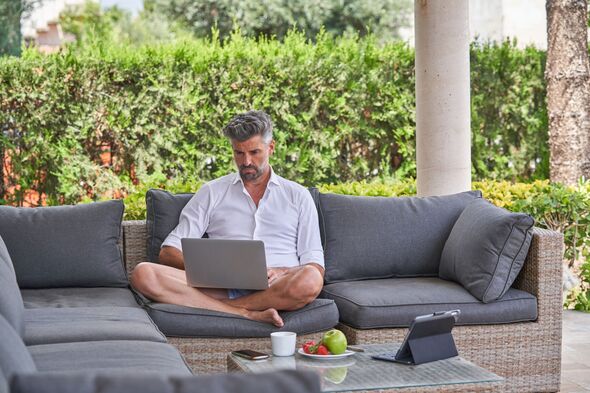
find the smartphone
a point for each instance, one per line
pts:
(250, 354)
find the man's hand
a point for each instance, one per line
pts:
(275, 272)
(171, 256)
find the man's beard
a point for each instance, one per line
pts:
(258, 171)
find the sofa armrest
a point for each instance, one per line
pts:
(541, 274)
(287, 381)
(134, 243)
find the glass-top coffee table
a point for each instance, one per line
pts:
(361, 373)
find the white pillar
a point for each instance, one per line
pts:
(443, 120)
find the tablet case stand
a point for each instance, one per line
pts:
(431, 348)
(428, 339)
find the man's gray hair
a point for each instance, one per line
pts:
(246, 125)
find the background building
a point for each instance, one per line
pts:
(42, 25)
(498, 20)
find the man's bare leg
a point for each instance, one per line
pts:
(291, 291)
(166, 284)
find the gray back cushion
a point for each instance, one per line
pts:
(14, 356)
(11, 301)
(377, 237)
(65, 246)
(163, 212)
(486, 249)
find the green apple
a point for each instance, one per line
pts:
(335, 340)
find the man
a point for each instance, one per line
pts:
(254, 203)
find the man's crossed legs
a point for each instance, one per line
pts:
(290, 289)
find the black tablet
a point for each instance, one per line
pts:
(428, 339)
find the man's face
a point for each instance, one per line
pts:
(251, 157)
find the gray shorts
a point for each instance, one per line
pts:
(236, 293)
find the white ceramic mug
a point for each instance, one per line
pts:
(283, 343)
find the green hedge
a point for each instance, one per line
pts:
(343, 110)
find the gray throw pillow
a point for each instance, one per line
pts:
(486, 249)
(65, 246)
(376, 237)
(163, 212)
(11, 302)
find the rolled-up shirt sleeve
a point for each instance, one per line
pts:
(309, 243)
(193, 220)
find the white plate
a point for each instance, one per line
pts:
(325, 357)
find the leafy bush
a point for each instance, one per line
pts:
(274, 18)
(579, 298)
(342, 110)
(89, 121)
(90, 25)
(10, 34)
(135, 207)
(508, 116)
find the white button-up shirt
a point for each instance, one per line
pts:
(286, 219)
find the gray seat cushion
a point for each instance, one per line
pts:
(286, 381)
(14, 356)
(163, 212)
(109, 356)
(62, 325)
(486, 249)
(78, 297)
(11, 301)
(65, 246)
(376, 237)
(395, 302)
(180, 321)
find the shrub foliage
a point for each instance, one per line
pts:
(343, 110)
(384, 18)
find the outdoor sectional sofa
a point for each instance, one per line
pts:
(70, 323)
(382, 269)
(385, 259)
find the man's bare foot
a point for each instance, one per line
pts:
(269, 315)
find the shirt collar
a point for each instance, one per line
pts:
(274, 178)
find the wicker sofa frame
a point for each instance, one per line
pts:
(526, 354)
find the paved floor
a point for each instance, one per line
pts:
(575, 364)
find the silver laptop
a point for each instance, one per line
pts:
(220, 263)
